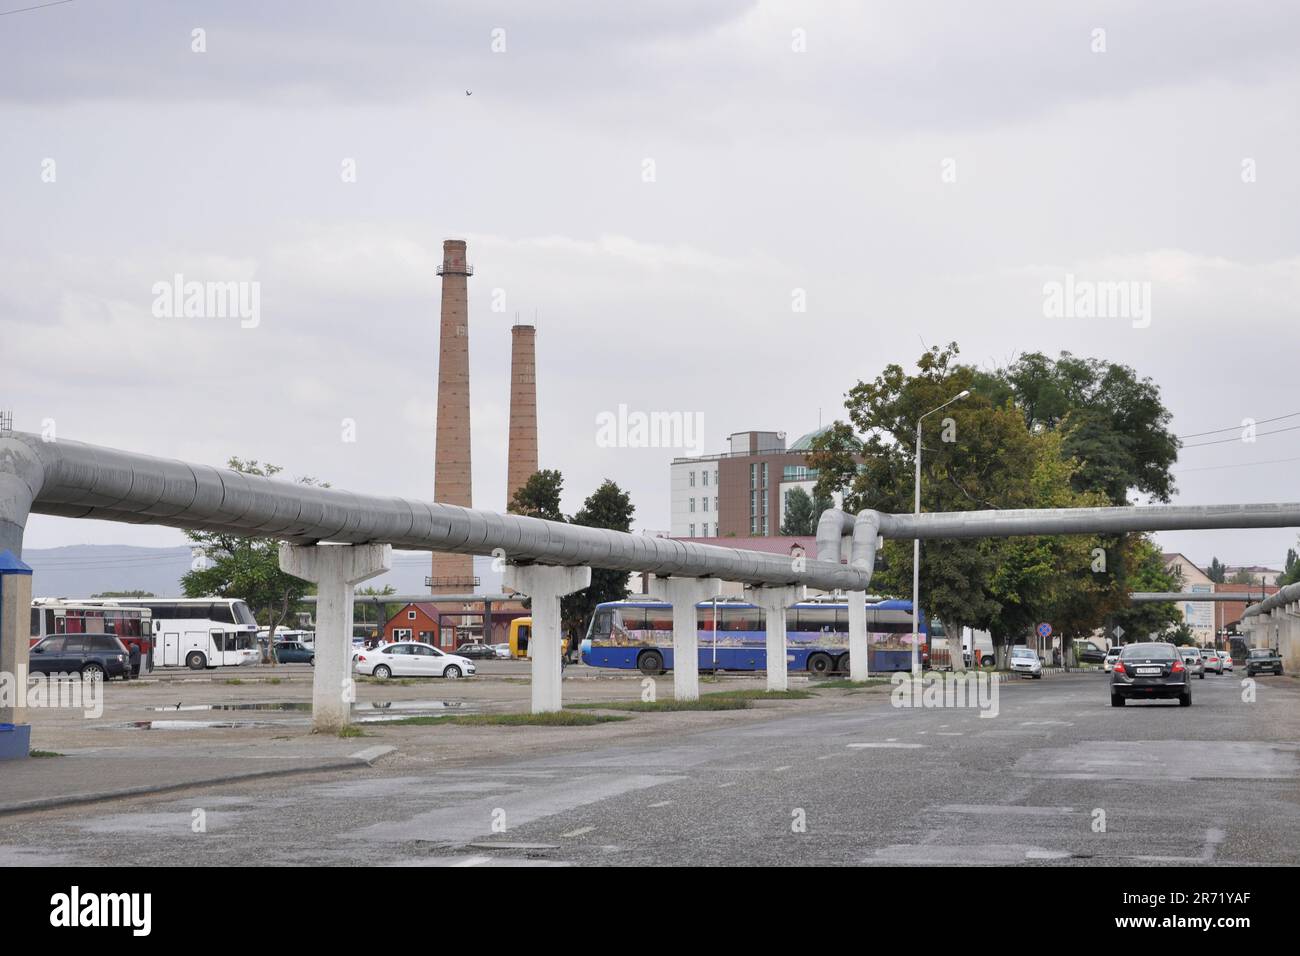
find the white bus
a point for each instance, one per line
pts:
(200, 632)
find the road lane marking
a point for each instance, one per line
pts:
(581, 831)
(661, 803)
(887, 745)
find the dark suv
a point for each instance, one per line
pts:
(1150, 671)
(475, 651)
(90, 655)
(1263, 660)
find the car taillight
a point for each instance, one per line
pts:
(1178, 667)
(1119, 668)
(361, 657)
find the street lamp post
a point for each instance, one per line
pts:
(916, 548)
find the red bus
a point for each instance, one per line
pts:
(133, 626)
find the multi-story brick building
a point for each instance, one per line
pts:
(740, 492)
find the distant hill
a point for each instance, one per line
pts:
(81, 570)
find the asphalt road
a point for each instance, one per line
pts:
(1057, 777)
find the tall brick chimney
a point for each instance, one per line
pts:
(453, 573)
(522, 454)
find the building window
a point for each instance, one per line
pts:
(704, 476)
(692, 534)
(753, 477)
(715, 504)
(410, 615)
(692, 504)
(764, 476)
(704, 504)
(692, 479)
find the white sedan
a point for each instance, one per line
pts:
(411, 659)
(1112, 656)
(1025, 661)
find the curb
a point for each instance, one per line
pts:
(362, 758)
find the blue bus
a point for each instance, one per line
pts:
(638, 634)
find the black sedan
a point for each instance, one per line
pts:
(1150, 671)
(476, 651)
(93, 656)
(1263, 660)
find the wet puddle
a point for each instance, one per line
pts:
(368, 712)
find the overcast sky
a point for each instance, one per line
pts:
(919, 169)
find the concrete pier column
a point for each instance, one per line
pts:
(15, 621)
(858, 651)
(684, 594)
(774, 601)
(336, 570)
(546, 585)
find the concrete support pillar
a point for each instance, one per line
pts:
(336, 570)
(546, 585)
(684, 594)
(774, 601)
(858, 651)
(1289, 644)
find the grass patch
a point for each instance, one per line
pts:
(708, 702)
(274, 680)
(561, 718)
(391, 681)
(352, 730)
(756, 694)
(233, 680)
(44, 753)
(845, 684)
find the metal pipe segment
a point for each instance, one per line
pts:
(76, 480)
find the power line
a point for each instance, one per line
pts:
(39, 6)
(1224, 441)
(1215, 431)
(1244, 464)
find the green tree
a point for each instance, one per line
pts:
(1115, 423)
(607, 507)
(362, 613)
(990, 451)
(248, 567)
(1063, 580)
(539, 497)
(1241, 576)
(977, 455)
(802, 511)
(1291, 569)
(1218, 572)
(1145, 570)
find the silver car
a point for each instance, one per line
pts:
(1192, 658)
(1025, 661)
